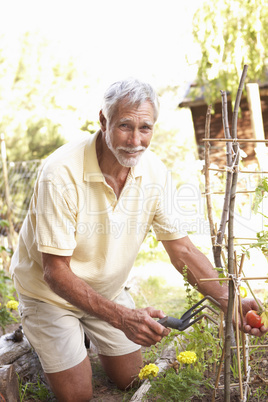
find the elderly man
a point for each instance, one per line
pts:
(94, 201)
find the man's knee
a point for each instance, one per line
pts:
(122, 370)
(70, 394)
(74, 384)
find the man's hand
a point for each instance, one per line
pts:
(250, 304)
(140, 327)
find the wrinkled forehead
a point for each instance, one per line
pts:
(126, 105)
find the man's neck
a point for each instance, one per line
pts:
(115, 174)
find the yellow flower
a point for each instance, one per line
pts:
(12, 305)
(149, 369)
(187, 357)
(243, 292)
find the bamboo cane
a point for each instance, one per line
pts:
(221, 231)
(240, 171)
(241, 316)
(230, 279)
(227, 373)
(237, 344)
(207, 178)
(218, 375)
(234, 140)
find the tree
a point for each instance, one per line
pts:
(231, 33)
(43, 92)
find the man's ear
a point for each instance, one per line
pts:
(103, 121)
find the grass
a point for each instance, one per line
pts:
(35, 391)
(155, 292)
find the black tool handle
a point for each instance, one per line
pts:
(170, 322)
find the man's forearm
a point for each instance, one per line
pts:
(67, 285)
(199, 267)
(137, 324)
(184, 253)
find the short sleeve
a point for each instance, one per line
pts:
(168, 222)
(55, 220)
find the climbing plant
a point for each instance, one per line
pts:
(230, 33)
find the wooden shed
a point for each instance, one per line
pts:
(244, 126)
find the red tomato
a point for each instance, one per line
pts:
(253, 319)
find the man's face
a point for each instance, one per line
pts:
(129, 132)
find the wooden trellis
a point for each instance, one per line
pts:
(235, 272)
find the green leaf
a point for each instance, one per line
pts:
(4, 223)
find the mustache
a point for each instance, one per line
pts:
(132, 149)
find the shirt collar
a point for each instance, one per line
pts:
(92, 171)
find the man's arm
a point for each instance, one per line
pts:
(138, 325)
(183, 252)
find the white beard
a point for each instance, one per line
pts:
(125, 161)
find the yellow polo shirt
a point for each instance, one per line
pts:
(74, 212)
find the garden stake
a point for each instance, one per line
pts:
(234, 279)
(218, 375)
(221, 335)
(236, 140)
(221, 232)
(207, 179)
(236, 306)
(230, 279)
(237, 343)
(243, 336)
(241, 315)
(232, 287)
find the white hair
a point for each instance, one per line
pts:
(133, 92)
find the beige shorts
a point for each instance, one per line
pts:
(57, 335)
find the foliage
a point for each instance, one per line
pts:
(155, 292)
(177, 386)
(151, 250)
(41, 138)
(8, 302)
(203, 339)
(261, 192)
(201, 346)
(42, 93)
(230, 33)
(36, 391)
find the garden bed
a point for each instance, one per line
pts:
(106, 391)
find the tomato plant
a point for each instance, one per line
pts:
(253, 319)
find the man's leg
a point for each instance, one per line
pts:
(58, 338)
(122, 370)
(73, 384)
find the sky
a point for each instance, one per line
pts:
(147, 39)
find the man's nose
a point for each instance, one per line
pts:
(134, 138)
